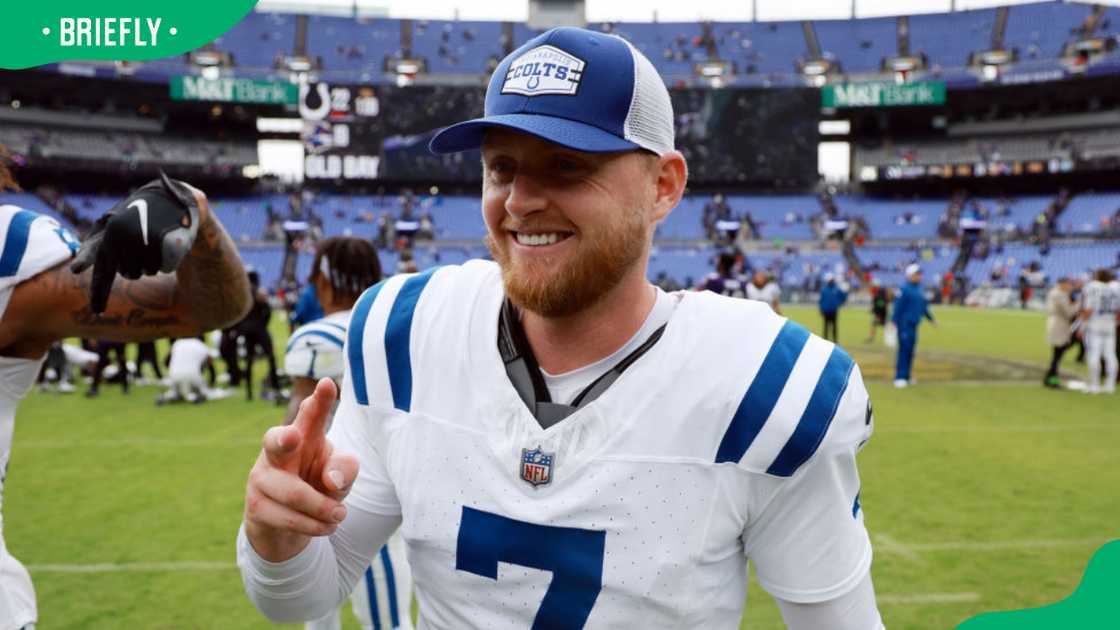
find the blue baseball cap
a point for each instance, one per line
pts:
(580, 89)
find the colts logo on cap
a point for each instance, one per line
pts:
(544, 70)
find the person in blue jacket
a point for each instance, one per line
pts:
(909, 309)
(307, 308)
(832, 298)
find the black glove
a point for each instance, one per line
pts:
(150, 231)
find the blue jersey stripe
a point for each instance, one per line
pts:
(762, 395)
(398, 333)
(817, 417)
(331, 324)
(855, 506)
(355, 338)
(15, 244)
(391, 587)
(371, 590)
(314, 333)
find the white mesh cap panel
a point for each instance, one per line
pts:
(649, 123)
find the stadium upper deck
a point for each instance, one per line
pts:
(352, 49)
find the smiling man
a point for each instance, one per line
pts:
(560, 443)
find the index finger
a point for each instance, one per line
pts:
(315, 410)
(104, 272)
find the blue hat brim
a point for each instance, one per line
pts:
(566, 133)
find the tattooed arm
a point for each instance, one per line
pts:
(210, 290)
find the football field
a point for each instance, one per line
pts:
(981, 489)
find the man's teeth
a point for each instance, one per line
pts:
(538, 239)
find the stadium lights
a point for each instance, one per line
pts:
(835, 127)
(279, 125)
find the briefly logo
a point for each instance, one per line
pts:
(536, 466)
(544, 70)
(141, 206)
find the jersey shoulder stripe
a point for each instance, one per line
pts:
(818, 415)
(356, 338)
(398, 336)
(762, 394)
(311, 332)
(15, 242)
(392, 304)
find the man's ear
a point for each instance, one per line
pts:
(671, 172)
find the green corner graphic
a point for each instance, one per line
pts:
(36, 33)
(1095, 605)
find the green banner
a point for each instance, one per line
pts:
(36, 33)
(882, 94)
(230, 90)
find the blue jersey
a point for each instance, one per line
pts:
(910, 307)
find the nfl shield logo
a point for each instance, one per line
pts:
(536, 466)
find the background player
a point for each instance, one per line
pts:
(765, 289)
(880, 304)
(724, 280)
(476, 444)
(909, 308)
(344, 267)
(42, 301)
(1102, 307)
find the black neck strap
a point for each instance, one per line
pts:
(525, 374)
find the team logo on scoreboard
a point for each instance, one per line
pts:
(544, 70)
(536, 466)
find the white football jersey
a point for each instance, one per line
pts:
(769, 293)
(1103, 301)
(383, 597)
(642, 508)
(30, 243)
(315, 349)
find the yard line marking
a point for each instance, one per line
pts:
(886, 544)
(132, 567)
(1020, 428)
(1002, 545)
(53, 444)
(928, 598)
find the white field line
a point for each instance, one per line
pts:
(911, 551)
(184, 567)
(928, 598)
(879, 429)
(1057, 427)
(132, 567)
(886, 544)
(1007, 545)
(136, 441)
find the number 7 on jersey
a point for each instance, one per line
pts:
(574, 556)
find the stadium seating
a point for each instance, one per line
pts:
(761, 47)
(1041, 30)
(1089, 213)
(860, 45)
(359, 45)
(453, 47)
(257, 39)
(895, 220)
(948, 38)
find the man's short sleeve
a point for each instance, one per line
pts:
(809, 543)
(315, 352)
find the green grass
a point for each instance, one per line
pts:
(991, 494)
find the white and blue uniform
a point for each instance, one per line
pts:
(382, 599)
(1102, 300)
(640, 510)
(31, 243)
